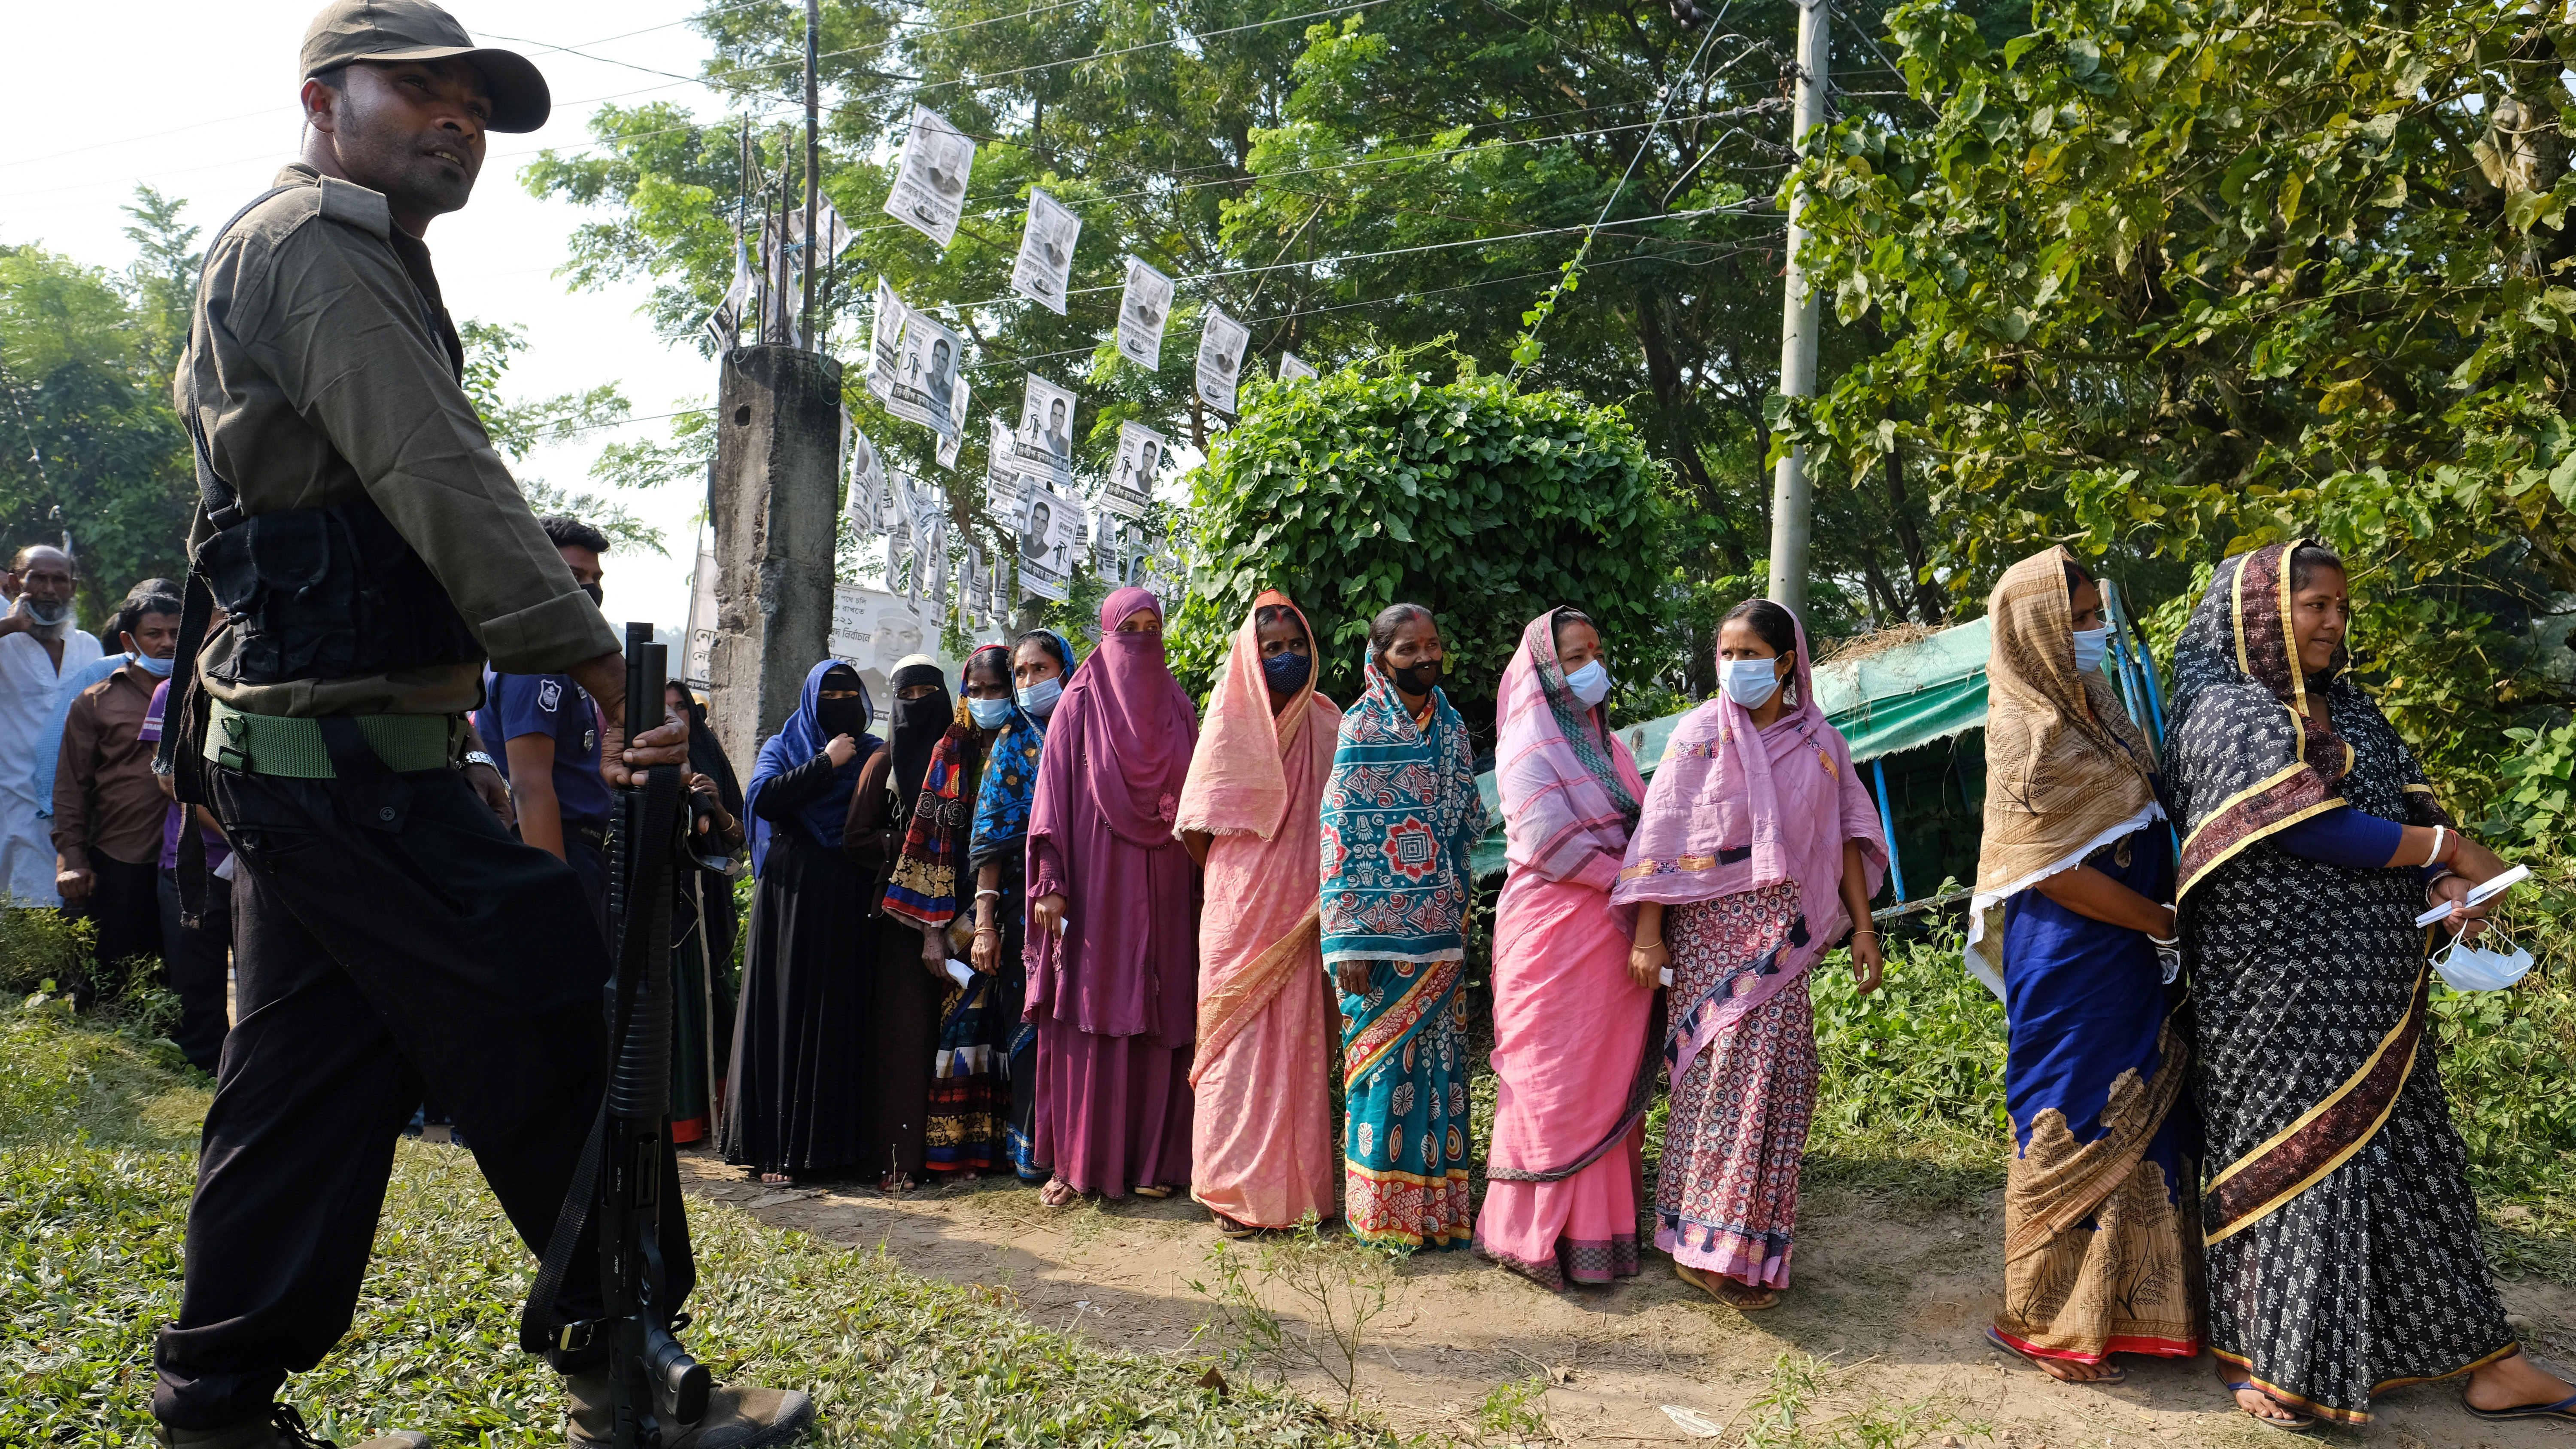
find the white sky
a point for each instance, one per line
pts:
(200, 101)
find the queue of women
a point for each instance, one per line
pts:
(1060, 924)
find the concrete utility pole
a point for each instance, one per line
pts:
(813, 165)
(774, 503)
(1801, 313)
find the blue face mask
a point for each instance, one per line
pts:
(1591, 683)
(1749, 681)
(990, 714)
(154, 666)
(1039, 698)
(1286, 671)
(2090, 645)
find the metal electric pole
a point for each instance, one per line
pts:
(1801, 312)
(813, 163)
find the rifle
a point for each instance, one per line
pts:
(653, 1381)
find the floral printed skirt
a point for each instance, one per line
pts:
(1404, 1072)
(1726, 1198)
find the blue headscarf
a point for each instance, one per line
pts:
(799, 740)
(1010, 786)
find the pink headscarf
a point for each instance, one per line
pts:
(1135, 726)
(1557, 766)
(1238, 781)
(1735, 809)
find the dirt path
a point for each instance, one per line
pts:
(1894, 1314)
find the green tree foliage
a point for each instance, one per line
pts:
(1487, 505)
(88, 440)
(2183, 276)
(517, 428)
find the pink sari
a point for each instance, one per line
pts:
(1261, 1146)
(1570, 1048)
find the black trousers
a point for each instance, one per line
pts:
(195, 962)
(373, 963)
(124, 907)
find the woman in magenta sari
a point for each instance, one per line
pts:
(1113, 918)
(1262, 1154)
(1570, 1053)
(1758, 849)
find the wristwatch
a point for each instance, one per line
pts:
(477, 757)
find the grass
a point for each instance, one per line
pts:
(97, 1138)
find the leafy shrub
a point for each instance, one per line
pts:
(1486, 505)
(39, 944)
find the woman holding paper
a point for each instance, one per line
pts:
(2101, 1200)
(2342, 1238)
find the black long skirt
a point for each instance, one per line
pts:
(802, 1049)
(899, 1041)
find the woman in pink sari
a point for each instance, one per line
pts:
(1261, 1144)
(1570, 1053)
(1113, 920)
(1766, 849)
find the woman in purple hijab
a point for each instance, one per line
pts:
(1113, 916)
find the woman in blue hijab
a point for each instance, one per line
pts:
(793, 1094)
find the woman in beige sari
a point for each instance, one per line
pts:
(1251, 812)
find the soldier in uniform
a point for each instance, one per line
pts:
(372, 553)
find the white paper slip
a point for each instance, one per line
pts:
(2480, 894)
(961, 973)
(1666, 975)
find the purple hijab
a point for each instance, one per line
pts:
(1735, 809)
(1109, 784)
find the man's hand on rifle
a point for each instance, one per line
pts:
(604, 679)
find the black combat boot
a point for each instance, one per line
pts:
(281, 1428)
(736, 1418)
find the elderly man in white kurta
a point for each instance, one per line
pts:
(38, 646)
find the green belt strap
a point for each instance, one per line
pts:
(269, 744)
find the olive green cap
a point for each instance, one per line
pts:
(387, 30)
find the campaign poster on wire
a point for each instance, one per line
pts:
(1051, 528)
(1293, 367)
(1044, 267)
(1046, 431)
(925, 383)
(1002, 475)
(867, 487)
(955, 437)
(1141, 452)
(1221, 344)
(885, 341)
(930, 177)
(1143, 308)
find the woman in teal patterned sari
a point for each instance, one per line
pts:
(1400, 813)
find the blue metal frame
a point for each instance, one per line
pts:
(1887, 827)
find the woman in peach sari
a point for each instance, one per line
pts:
(1262, 1148)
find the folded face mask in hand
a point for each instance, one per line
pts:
(2466, 966)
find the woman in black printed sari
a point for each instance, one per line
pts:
(2343, 1255)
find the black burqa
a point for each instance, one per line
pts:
(703, 1008)
(901, 1037)
(799, 1065)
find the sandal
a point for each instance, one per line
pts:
(1058, 1193)
(2297, 1423)
(2564, 1410)
(2110, 1374)
(1229, 1228)
(1743, 1298)
(1157, 1193)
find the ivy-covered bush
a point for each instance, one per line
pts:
(1486, 505)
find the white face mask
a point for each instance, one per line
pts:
(2466, 966)
(1748, 681)
(2090, 646)
(1591, 683)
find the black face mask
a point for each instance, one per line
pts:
(929, 714)
(597, 594)
(1416, 678)
(840, 717)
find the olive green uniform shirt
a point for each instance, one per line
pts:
(322, 365)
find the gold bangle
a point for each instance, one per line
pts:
(1648, 946)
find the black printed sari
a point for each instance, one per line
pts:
(2343, 1255)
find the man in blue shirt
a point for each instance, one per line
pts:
(548, 733)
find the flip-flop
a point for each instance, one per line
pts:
(1157, 1193)
(1715, 1285)
(2564, 1410)
(2114, 1373)
(2297, 1423)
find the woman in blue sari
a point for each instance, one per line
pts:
(2101, 1227)
(1400, 813)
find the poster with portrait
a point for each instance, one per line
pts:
(950, 441)
(1002, 473)
(872, 631)
(697, 663)
(866, 496)
(1293, 367)
(1221, 343)
(1044, 267)
(974, 589)
(1050, 542)
(1163, 571)
(933, 572)
(925, 383)
(1046, 432)
(885, 341)
(896, 518)
(1143, 307)
(930, 177)
(1130, 490)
